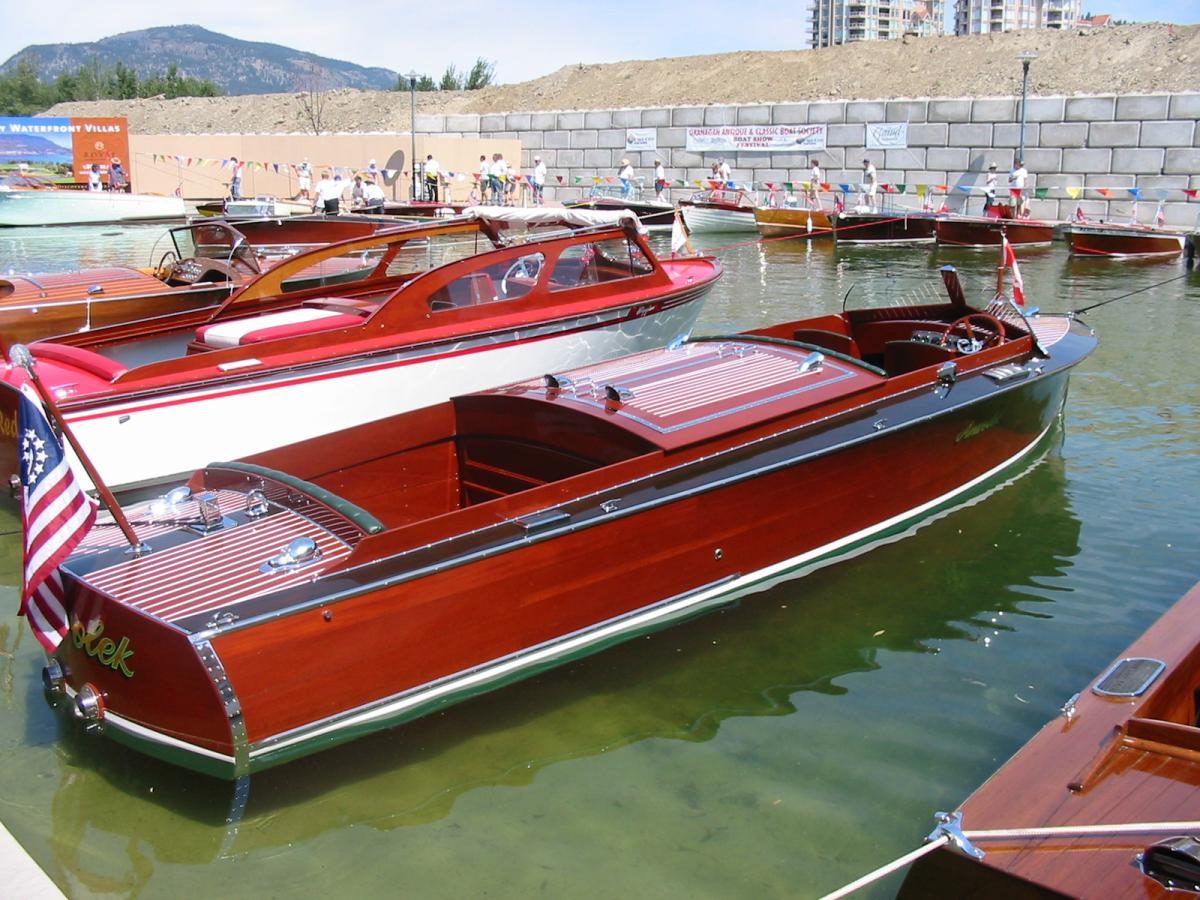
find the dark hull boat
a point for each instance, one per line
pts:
(887, 227)
(986, 231)
(450, 550)
(652, 214)
(1114, 240)
(1115, 783)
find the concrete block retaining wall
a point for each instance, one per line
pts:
(1151, 142)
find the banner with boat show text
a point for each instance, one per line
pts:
(57, 147)
(749, 138)
(887, 136)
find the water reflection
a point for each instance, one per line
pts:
(115, 814)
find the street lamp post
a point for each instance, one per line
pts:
(412, 125)
(1026, 58)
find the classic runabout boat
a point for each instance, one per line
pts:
(955, 230)
(891, 226)
(197, 267)
(438, 554)
(718, 210)
(1104, 801)
(433, 318)
(69, 207)
(792, 221)
(1121, 240)
(652, 213)
(265, 206)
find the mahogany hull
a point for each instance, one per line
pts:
(652, 215)
(981, 231)
(1114, 241)
(883, 228)
(390, 640)
(787, 222)
(1116, 760)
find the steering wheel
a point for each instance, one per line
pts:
(994, 337)
(525, 267)
(166, 265)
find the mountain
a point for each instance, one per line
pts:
(236, 66)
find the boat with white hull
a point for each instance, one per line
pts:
(55, 207)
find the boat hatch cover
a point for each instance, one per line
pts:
(678, 395)
(1129, 677)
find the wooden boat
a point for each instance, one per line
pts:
(1124, 753)
(450, 550)
(267, 367)
(67, 207)
(955, 230)
(1121, 240)
(792, 221)
(198, 267)
(264, 206)
(892, 226)
(718, 210)
(651, 213)
(422, 209)
(301, 232)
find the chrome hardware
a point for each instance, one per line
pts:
(609, 506)
(615, 394)
(1006, 373)
(256, 504)
(14, 486)
(811, 362)
(53, 677)
(947, 373)
(678, 341)
(167, 506)
(557, 382)
(95, 289)
(20, 356)
(718, 554)
(89, 708)
(209, 511)
(1129, 677)
(949, 826)
(879, 424)
(1068, 708)
(221, 619)
(300, 552)
(540, 521)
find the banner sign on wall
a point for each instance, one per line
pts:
(641, 139)
(52, 145)
(747, 138)
(887, 136)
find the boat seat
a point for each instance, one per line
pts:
(78, 358)
(350, 305)
(900, 357)
(274, 326)
(830, 340)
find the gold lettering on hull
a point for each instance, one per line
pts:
(976, 428)
(106, 651)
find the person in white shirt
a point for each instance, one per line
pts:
(94, 182)
(372, 198)
(329, 195)
(373, 171)
(724, 173)
(814, 185)
(660, 180)
(538, 180)
(1016, 187)
(625, 173)
(870, 185)
(499, 178)
(989, 189)
(304, 177)
(433, 176)
(485, 178)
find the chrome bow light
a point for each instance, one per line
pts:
(300, 552)
(89, 708)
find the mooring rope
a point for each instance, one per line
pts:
(1009, 833)
(1151, 287)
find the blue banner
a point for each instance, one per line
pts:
(34, 139)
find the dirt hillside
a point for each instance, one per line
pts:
(1145, 58)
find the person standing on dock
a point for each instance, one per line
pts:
(1016, 186)
(94, 182)
(538, 180)
(235, 181)
(660, 180)
(304, 176)
(814, 185)
(485, 178)
(989, 189)
(373, 198)
(870, 184)
(116, 175)
(433, 175)
(625, 173)
(329, 195)
(724, 173)
(499, 178)
(373, 171)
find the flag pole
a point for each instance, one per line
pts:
(20, 356)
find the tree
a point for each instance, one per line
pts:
(425, 83)
(313, 97)
(481, 74)
(125, 82)
(451, 80)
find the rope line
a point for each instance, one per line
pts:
(1129, 294)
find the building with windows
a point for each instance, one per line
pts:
(984, 16)
(843, 21)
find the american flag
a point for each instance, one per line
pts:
(1010, 260)
(56, 514)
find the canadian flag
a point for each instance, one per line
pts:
(1079, 216)
(1010, 260)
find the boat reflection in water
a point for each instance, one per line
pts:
(116, 815)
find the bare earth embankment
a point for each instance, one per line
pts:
(1132, 59)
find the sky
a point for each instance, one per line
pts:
(535, 39)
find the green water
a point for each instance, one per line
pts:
(779, 748)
